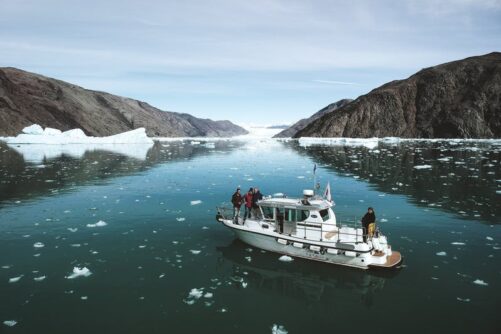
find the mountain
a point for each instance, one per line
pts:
(301, 124)
(28, 98)
(460, 99)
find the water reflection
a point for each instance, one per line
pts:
(462, 178)
(303, 280)
(29, 171)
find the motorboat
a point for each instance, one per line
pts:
(307, 228)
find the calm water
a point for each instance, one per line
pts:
(161, 240)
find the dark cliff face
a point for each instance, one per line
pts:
(461, 99)
(27, 98)
(301, 124)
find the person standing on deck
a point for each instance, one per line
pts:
(257, 196)
(248, 203)
(237, 200)
(369, 223)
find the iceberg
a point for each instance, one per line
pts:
(370, 143)
(36, 144)
(77, 272)
(33, 135)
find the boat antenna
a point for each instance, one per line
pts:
(314, 177)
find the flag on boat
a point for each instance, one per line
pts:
(327, 192)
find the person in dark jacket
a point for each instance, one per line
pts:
(367, 221)
(237, 200)
(248, 203)
(257, 196)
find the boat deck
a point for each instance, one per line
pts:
(391, 261)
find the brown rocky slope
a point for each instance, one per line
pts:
(27, 98)
(460, 99)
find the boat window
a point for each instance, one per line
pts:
(302, 215)
(324, 214)
(267, 212)
(290, 215)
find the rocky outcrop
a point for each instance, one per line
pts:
(27, 98)
(301, 124)
(460, 99)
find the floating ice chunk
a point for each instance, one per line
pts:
(180, 219)
(98, 224)
(38, 245)
(278, 329)
(15, 279)
(489, 238)
(422, 167)
(77, 272)
(10, 323)
(208, 295)
(300, 177)
(39, 279)
(456, 243)
(189, 301)
(480, 282)
(466, 300)
(285, 258)
(222, 310)
(383, 220)
(442, 254)
(248, 258)
(196, 293)
(244, 284)
(195, 251)
(195, 202)
(84, 298)
(72, 229)
(34, 129)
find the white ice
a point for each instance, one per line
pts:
(370, 143)
(98, 224)
(77, 272)
(285, 258)
(480, 282)
(208, 295)
(10, 323)
(194, 251)
(456, 243)
(442, 254)
(15, 279)
(195, 202)
(38, 245)
(422, 167)
(32, 135)
(196, 293)
(39, 279)
(180, 219)
(278, 329)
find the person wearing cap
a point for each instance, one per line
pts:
(248, 203)
(237, 200)
(256, 197)
(369, 223)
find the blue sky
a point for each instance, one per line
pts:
(259, 62)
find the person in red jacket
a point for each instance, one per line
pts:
(248, 203)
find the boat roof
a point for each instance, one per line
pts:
(295, 203)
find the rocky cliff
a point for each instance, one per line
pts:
(27, 98)
(460, 99)
(301, 124)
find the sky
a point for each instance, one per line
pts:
(252, 62)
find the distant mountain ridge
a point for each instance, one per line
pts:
(301, 124)
(460, 99)
(27, 98)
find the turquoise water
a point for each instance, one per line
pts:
(161, 240)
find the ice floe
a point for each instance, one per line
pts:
(39, 278)
(195, 251)
(480, 282)
(370, 143)
(196, 293)
(195, 202)
(35, 135)
(10, 323)
(15, 279)
(456, 243)
(180, 219)
(98, 224)
(285, 258)
(278, 329)
(442, 254)
(79, 272)
(422, 167)
(38, 245)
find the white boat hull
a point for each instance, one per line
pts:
(271, 241)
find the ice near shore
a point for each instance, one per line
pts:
(35, 134)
